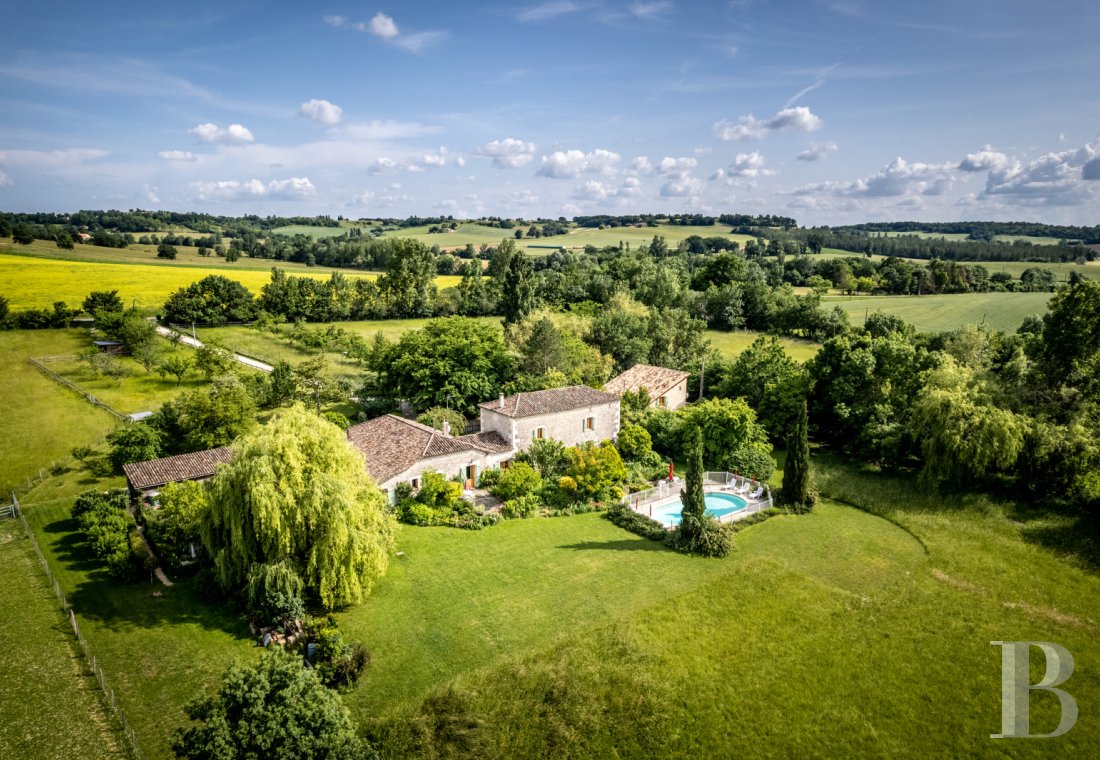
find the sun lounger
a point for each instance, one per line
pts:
(742, 489)
(757, 493)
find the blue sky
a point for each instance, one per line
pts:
(831, 111)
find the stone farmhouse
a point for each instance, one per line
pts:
(667, 388)
(398, 450)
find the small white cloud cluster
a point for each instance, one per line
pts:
(986, 159)
(322, 112)
(817, 151)
(508, 153)
(568, 164)
(234, 134)
(293, 188)
(1056, 179)
(178, 155)
(385, 28)
(745, 165)
(799, 118)
(899, 177)
(595, 190)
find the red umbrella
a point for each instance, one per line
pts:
(671, 466)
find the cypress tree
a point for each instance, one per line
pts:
(691, 518)
(796, 470)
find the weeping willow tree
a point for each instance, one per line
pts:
(296, 492)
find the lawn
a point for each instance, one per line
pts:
(1001, 311)
(315, 232)
(51, 706)
(730, 344)
(40, 421)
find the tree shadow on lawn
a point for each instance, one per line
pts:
(118, 605)
(622, 545)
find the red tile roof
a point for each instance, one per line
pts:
(158, 472)
(656, 380)
(393, 444)
(550, 401)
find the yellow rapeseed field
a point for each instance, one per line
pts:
(29, 282)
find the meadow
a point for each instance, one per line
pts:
(51, 708)
(834, 633)
(937, 313)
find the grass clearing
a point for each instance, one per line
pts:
(730, 344)
(937, 313)
(51, 705)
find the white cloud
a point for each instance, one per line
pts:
(439, 158)
(234, 134)
(1056, 179)
(817, 151)
(382, 164)
(415, 43)
(549, 10)
(567, 164)
(52, 158)
(641, 165)
(648, 10)
(800, 118)
(508, 153)
(682, 188)
(321, 111)
(676, 167)
(293, 188)
(460, 161)
(594, 190)
(336, 21)
(387, 130)
(382, 26)
(897, 178)
(748, 165)
(5, 180)
(178, 155)
(986, 159)
(150, 193)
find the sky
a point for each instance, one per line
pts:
(830, 111)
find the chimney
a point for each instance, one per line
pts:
(446, 428)
(501, 400)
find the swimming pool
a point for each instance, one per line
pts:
(718, 505)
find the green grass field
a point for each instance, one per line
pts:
(1001, 311)
(833, 633)
(730, 344)
(51, 706)
(316, 233)
(40, 421)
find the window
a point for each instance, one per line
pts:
(588, 424)
(662, 401)
(415, 483)
(538, 434)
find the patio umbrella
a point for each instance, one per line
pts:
(671, 467)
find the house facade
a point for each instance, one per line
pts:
(667, 388)
(572, 415)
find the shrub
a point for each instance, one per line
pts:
(634, 441)
(339, 663)
(489, 478)
(517, 481)
(548, 456)
(596, 473)
(711, 539)
(438, 493)
(106, 526)
(750, 462)
(664, 428)
(136, 442)
(521, 507)
(273, 594)
(89, 500)
(437, 415)
(635, 522)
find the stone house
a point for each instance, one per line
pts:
(572, 415)
(399, 450)
(667, 388)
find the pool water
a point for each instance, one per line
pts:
(718, 505)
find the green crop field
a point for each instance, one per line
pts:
(316, 232)
(1001, 311)
(51, 708)
(37, 282)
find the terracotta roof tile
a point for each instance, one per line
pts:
(656, 380)
(393, 444)
(550, 401)
(158, 472)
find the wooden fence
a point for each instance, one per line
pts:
(107, 693)
(40, 364)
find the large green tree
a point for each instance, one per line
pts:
(692, 496)
(215, 415)
(273, 708)
(453, 361)
(771, 381)
(213, 300)
(296, 491)
(517, 298)
(729, 429)
(407, 286)
(796, 491)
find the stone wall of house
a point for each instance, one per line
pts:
(675, 397)
(449, 465)
(567, 427)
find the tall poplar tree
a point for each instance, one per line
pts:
(297, 492)
(691, 517)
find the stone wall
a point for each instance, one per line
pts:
(567, 427)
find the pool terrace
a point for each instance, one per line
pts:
(659, 502)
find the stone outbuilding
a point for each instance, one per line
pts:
(667, 388)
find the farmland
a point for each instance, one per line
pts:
(1001, 311)
(36, 282)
